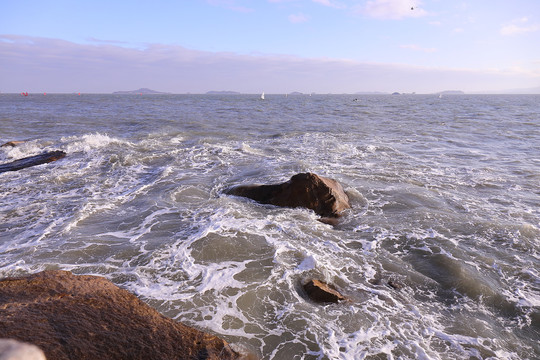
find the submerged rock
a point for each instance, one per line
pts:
(88, 317)
(323, 195)
(322, 292)
(395, 284)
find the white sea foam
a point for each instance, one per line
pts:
(89, 142)
(25, 149)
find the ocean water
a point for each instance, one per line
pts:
(445, 197)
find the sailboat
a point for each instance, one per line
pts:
(262, 96)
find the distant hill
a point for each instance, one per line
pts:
(140, 91)
(226, 92)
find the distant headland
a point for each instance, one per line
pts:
(140, 91)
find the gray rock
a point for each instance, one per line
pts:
(15, 350)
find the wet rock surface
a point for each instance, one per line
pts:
(322, 292)
(323, 195)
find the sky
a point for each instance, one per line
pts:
(276, 46)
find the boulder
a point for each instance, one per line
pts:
(323, 195)
(88, 317)
(322, 292)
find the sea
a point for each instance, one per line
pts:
(439, 256)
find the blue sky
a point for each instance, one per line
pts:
(272, 45)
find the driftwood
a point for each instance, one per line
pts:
(43, 158)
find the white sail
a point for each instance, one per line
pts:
(262, 96)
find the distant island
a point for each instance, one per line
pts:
(213, 92)
(140, 91)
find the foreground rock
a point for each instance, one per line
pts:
(323, 195)
(44, 158)
(321, 292)
(88, 317)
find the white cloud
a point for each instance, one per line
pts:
(298, 18)
(392, 9)
(519, 26)
(51, 65)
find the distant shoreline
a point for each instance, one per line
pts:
(295, 93)
(140, 91)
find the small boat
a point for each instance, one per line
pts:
(262, 96)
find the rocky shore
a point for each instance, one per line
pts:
(87, 317)
(81, 317)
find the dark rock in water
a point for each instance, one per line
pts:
(44, 158)
(394, 284)
(88, 317)
(323, 195)
(12, 143)
(321, 292)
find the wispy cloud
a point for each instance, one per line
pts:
(519, 26)
(298, 18)
(41, 64)
(418, 48)
(392, 9)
